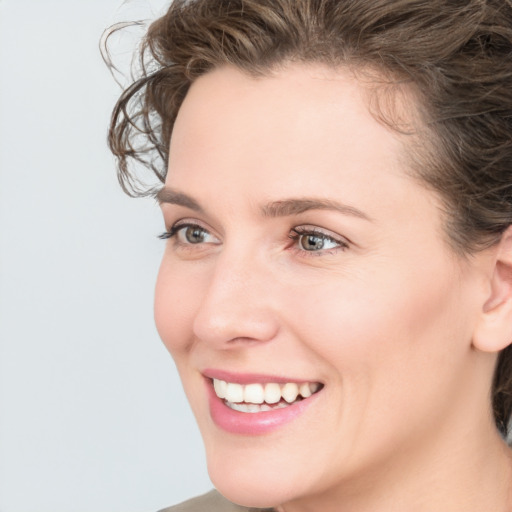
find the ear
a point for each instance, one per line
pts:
(493, 331)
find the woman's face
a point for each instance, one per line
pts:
(302, 253)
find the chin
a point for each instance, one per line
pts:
(251, 494)
(249, 486)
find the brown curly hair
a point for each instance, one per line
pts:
(456, 54)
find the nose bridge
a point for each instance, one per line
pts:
(236, 305)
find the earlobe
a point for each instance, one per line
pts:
(494, 328)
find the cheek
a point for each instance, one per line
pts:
(393, 303)
(176, 298)
(388, 335)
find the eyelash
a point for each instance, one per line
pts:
(171, 232)
(175, 230)
(295, 235)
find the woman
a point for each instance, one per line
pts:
(336, 288)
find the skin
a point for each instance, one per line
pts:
(385, 315)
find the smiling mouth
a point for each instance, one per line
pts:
(254, 398)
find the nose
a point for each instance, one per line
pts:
(237, 305)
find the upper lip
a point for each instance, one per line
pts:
(250, 378)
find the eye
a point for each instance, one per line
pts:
(189, 234)
(192, 235)
(314, 240)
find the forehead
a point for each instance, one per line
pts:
(303, 125)
(316, 102)
(290, 97)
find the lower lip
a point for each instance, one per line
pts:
(253, 423)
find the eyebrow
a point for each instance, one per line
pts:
(282, 208)
(301, 205)
(170, 196)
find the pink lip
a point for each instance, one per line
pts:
(258, 423)
(249, 378)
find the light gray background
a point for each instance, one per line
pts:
(92, 416)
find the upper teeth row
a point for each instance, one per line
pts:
(270, 393)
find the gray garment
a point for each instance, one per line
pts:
(211, 502)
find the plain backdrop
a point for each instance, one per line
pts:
(92, 415)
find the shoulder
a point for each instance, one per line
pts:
(210, 502)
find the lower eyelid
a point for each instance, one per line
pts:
(301, 253)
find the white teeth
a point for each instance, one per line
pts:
(305, 390)
(272, 393)
(220, 388)
(290, 391)
(314, 387)
(252, 408)
(234, 392)
(259, 395)
(254, 394)
(242, 407)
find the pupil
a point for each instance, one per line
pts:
(194, 235)
(312, 242)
